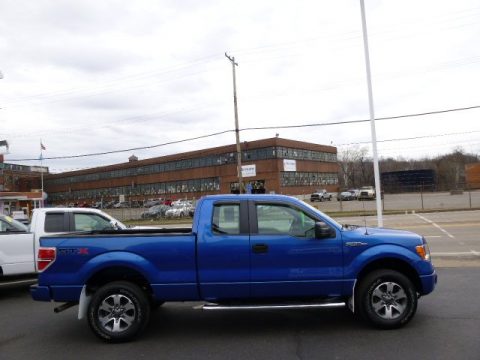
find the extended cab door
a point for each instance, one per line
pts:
(223, 251)
(16, 248)
(286, 258)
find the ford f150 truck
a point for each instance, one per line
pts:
(242, 252)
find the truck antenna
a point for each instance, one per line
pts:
(365, 218)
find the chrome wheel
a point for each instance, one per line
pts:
(389, 300)
(117, 313)
(386, 298)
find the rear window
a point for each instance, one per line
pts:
(55, 223)
(226, 219)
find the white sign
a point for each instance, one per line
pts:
(289, 165)
(249, 170)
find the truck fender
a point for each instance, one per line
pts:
(117, 259)
(379, 252)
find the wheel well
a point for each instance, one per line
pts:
(393, 264)
(118, 273)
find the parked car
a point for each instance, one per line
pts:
(346, 196)
(320, 195)
(108, 204)
(97, 205)
(179, 211)
(151, 202)
(367, 193)
(121, 205)
(155, 212)
(355, 193)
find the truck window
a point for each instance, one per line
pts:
(280, 219)
(89, 222)
(226, 219)
(7, 224)
(54, 222)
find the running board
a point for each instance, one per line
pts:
(212, 306)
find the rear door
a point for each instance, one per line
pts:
(286, 258)
(224, 251)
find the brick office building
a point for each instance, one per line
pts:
(269, 165)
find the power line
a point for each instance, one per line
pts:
(412, 138)
(255, 128)
(126, 150)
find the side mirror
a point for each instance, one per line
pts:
(323, 231)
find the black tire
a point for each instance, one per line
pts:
(119, 311)
(386, 299)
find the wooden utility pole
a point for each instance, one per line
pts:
(237, 132)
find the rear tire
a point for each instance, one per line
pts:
(386, 299)
(119, 311)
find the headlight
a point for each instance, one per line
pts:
(423, 250)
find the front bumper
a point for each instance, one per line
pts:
(428, 282)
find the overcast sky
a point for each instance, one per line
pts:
(97, 76)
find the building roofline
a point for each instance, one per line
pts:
(255, 144)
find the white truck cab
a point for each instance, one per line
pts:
(19, 243)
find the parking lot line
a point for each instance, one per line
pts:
(436, 225)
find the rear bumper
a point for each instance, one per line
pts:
(428, 282)
(40, 293)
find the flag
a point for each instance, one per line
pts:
(42, 147)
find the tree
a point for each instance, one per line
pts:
(353, 166)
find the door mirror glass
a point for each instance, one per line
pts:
(323, 231)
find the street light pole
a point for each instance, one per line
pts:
(237, 132)
(376, 169)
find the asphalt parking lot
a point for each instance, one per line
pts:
(447, 324)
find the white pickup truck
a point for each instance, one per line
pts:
(19, 243)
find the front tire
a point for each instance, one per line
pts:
(386, 299)
(118, 312)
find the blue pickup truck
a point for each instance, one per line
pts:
(242, 252)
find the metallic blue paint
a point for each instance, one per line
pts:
(214, 267)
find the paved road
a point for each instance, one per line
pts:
(447, 326)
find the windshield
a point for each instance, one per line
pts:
(12, 223)
(324, 216)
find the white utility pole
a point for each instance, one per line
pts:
(376, 169)
(237, 132)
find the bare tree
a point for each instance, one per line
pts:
(352, 162)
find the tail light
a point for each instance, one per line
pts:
(45, 258)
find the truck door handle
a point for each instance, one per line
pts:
(260, 248)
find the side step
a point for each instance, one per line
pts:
(213, 306)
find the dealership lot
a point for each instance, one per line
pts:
(447, 324)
